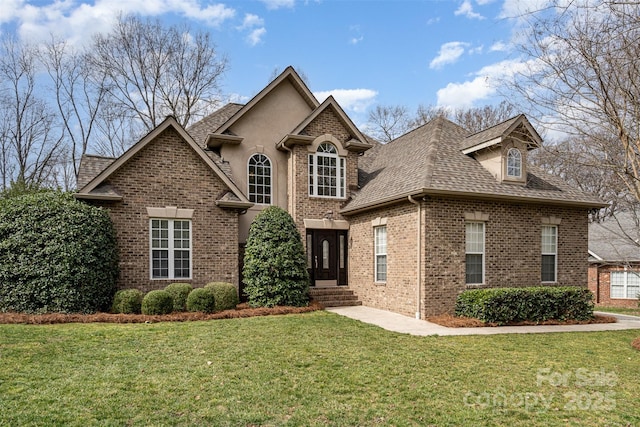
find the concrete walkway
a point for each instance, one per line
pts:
(408, 325)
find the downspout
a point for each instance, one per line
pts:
(597, 283)
(418, 258)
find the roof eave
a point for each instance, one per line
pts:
(216, 140)
(290, 140)
(481, 196)
(233, 204)
(90, 196)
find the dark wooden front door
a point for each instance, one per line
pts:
(328, 260)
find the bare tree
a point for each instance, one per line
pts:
(389, 122)
(479, 118)
(579, 164)
(31, 142)
(79, 95)
(154, 71)
(583, 78)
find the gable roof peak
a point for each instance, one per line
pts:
(290, 75)
(495, 134)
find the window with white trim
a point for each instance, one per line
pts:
(170, 248)
(259, 179)
(549, 253)
(380, 245)
(514, 163)
(625, 284)
(474, 252)
(327, 172)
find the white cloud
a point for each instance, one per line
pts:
(255, 25)
(466, 9)
(356, 40)
(278, 4)
(357, 100)
(482, 86)
(250, 20)
(499, 46)
(449, 53)
(256, 35)
(76, 23)
(519, 8)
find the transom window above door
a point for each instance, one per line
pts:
(327, 172)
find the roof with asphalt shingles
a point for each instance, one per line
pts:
(429, 160)
(615, 239)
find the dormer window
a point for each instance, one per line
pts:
(327, 172)
(514, 163)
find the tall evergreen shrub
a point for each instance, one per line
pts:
(275, 270)
(56, 255)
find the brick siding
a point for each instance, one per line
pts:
(167, 172)
(600, 285)
(512, 251)
(301, 206)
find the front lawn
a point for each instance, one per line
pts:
(311, 369)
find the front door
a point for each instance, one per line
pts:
(327, 257)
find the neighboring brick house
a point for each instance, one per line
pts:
(614, 260)
(407, 225)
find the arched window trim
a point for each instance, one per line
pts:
(327, 172)
(514, 163)
(260, 191)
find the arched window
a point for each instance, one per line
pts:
(259, 181)
(514, 163)
(327, 172)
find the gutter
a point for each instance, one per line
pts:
(477, 196)
(418, 257)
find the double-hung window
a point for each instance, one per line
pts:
(549, 253)
(380, 244)
(259, 179)
(474, 251)
(514, 163)
(327, 172)
(170, 248)
(625, 284)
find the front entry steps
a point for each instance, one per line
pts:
(335, 296)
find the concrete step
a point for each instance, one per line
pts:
(334, 296)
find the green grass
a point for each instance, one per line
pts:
(311, 369)
(620, 310)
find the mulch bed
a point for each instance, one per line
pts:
(242, 310)
(636, 343)
(469, 322)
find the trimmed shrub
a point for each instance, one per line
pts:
(56, 255)
(226, 295)
(127, 301)
(536, 304)
(179, 292)
(275, 268)
(157, 302)
(201, 299)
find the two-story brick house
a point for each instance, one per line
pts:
(406, 225)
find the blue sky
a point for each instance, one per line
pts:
(448, 53)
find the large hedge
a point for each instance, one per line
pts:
(502, 305)
(275, 270)
(56, 255)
